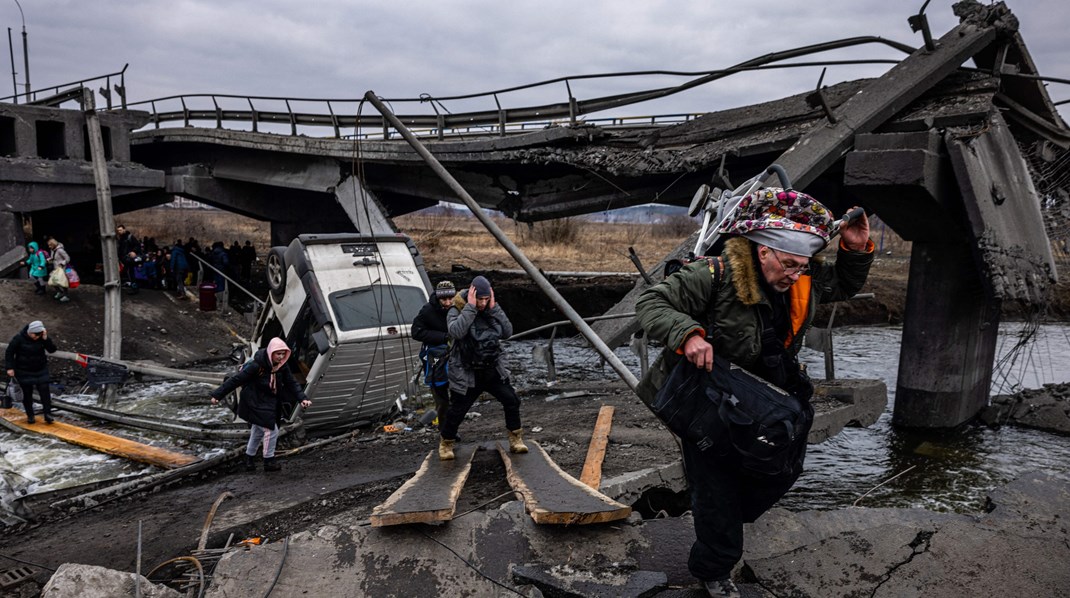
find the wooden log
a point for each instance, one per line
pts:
(430, 495)
(596, 452)
(551, 496)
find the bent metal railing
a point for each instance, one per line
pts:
(55, 95)
(342, 114)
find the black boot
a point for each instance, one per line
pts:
(250, 462)
(48, 418)
(29, 418)
(271, 465)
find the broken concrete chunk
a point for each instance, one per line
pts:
(73, 580)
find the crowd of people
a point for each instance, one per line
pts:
(146, 265)
(143, 264)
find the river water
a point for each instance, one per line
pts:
(951, 471)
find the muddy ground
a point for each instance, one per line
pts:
(348, 476)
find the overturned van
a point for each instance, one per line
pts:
(345, 303)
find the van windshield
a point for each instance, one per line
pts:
(375, 306)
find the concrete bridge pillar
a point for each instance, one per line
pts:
(949, 339)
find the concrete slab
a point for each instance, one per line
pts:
(878, 552)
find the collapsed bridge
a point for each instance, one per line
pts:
(959, 160)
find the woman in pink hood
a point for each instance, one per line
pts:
(266, 384)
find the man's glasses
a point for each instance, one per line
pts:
(794, 270)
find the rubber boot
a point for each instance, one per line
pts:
(516, 441)
(445, 449)
(250, 462)
(271, 465)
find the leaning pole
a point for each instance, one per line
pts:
(113, 326)
(530, 268)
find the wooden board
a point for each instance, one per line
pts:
(431, 494)
(99, 441)
(596, 452)
(553, 496)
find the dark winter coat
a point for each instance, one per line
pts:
(221, 261)
(179, 261)
(726, 312)
(28, 357)
(257, 403)
(462, 319)
(429, 327)
(126, 244)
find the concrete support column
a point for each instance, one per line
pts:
(949, 339)
(363, 208)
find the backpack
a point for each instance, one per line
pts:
(481, 347)
(436, 364)
(753, 424)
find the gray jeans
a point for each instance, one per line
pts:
(260, 434)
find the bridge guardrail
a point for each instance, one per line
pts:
(65, 92)
(439, 121)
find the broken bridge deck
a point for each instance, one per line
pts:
(554, 497)
(15, 419)
(431, 494)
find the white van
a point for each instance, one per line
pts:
(344, 303)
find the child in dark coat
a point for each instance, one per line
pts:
(266, 385)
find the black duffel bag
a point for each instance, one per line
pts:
(736, 415)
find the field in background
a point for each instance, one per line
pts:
(166, 224)
(449, 237)
(571, 244)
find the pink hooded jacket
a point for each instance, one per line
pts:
(277, 344)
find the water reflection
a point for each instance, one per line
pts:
(952, 471)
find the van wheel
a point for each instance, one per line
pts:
(276, 273)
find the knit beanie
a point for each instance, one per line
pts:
(482, 286)
(445, 290)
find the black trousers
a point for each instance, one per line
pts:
(486, 381)
(722, 500)
(442, 400)
(43, 391)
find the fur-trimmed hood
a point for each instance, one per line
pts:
(739, 254)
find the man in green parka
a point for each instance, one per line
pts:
(751, 305)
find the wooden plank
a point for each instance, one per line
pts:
(99, 441)
(431, 494)
(596, 452)
(551, 495)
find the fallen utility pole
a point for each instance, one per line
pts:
(530, 268)
(113, 326)
(141, 368)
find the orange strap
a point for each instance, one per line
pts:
(799, 298)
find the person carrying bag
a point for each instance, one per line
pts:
(59, 281)
(728, 381)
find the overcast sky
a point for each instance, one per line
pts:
(402, 48)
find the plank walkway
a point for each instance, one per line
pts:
(553, 496)
(431, 494)
(99, 441)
